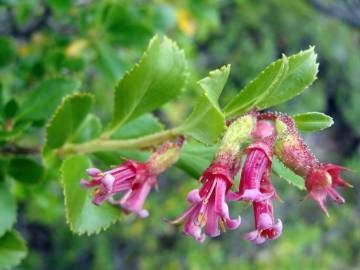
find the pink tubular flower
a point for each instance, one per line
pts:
(209, 209)
(133, 178)
(266, 228)
(322, 181)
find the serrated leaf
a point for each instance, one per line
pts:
(90, 129)
(195, 158)
(144, 125)
(12, 249)
(312, 121)
(81, 214)
(159, 77)
(301, 73)
(25, 170)
(285, 173)
(67, 119)
(207, 122)
(259, 89)
(7, 209)
(42, 101)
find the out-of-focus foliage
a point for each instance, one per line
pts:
(52, 48)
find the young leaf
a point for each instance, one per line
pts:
(81, 214)
(25, 170)
(12, 249)
(42, 101)
(195, 158)
(258, 89)
(301, 73)
(67, 119)
(285, 173)
(138, 127)
(7, 209)
(312, 121)
(207, 122)
(159, 77)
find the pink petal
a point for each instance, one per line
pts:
(89, 184)
(93, 172)
(194, 196)
(264, 221)
(278, 227)
(254, 195)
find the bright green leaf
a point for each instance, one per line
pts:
(207, 122)
(312, 121)
(7, 209)
(81, 214)
(42, 101)
(195, 158)
(89, 129)
(25, 170)
(67, 119)
(260, 88)
(144, 125)
(301, 73)
(285, 173)
(159, 77)
(12, 249)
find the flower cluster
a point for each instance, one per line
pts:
(246, 149)
(132, 178)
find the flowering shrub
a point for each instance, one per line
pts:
(250, 144)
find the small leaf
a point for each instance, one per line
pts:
(312, 121)
(81, 214)
(7, 209)
(285, 173)
(42, 101)
(207, 122)
(195, 158)
(16, 130)
(67, 119)
(12, 249)
(259, 89)
(25, 170)
(159, 77)
(89, 129)
(301, 73)
(144, 125)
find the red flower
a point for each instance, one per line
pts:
(322, 181)
(209, 209)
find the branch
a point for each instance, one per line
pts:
(331, 10)
(9, 149)
(104, 144)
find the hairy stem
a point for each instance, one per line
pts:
(104, 144)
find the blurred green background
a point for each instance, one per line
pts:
(97, 41)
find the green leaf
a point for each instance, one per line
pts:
(11, 108)
(207, 122)
(7, 51)
(25, 170)
(81, 214)
(285, 173)
(89, 129)
(42, 101)
(67, 119)
(259, 89)
(158, 78)
(301, 73)
(195, 158)
(312, 121)
(144, 125)
(7, 209)
(12, 249)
